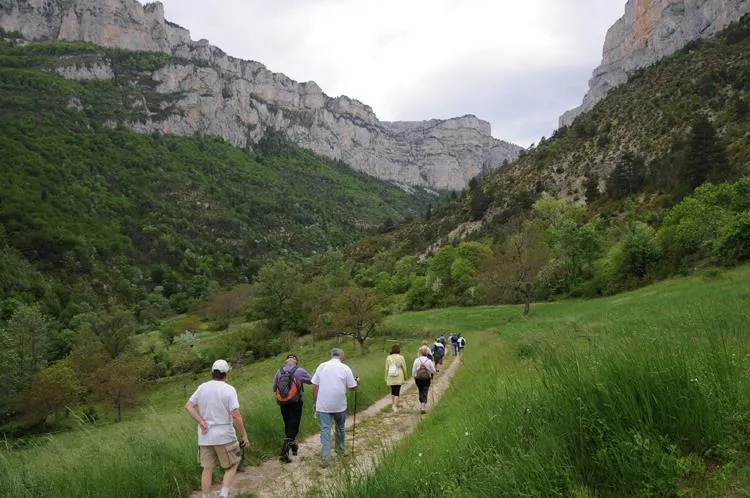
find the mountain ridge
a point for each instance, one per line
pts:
(648, 31)
(241, 101)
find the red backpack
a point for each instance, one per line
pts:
(287, 390)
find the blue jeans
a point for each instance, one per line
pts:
(326, 421)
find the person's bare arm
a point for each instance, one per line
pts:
(240, 424)
(192, 410)
(315, 396)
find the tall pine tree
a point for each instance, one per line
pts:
(705, 156)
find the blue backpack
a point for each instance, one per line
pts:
(438, 350)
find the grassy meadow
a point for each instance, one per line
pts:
(153, 452)
(642, 394)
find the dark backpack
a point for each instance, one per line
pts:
(423, 373)
(438, 351)
(287, 390)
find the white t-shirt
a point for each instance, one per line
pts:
(332, 378)
(216, 399)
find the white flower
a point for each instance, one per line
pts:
(420, 455)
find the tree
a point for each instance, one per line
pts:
(29, 330)
(10, 373)
(50, 390)
(87, 356)
(516, 266)
(592, 188)
(705, 156)
(276, 296)
(640, 251)
(356, 313)
(119, 383)
(628, 176)
(575, 244)
(113, 330)
(223, 306)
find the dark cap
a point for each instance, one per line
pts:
(291, 356)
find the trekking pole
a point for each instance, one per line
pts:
(354, 423)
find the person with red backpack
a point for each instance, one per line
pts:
(288, 387)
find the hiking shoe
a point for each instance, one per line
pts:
(394, 409)
(325, 463)
(294, 447)
(285, 459)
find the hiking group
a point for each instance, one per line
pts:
(216, 410)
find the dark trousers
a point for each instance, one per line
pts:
(292, 415)
(424, 386)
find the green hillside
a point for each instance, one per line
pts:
(640, 143)
(652, 182)
(92, 213)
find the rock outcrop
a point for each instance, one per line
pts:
(242, 100)
(650, 30)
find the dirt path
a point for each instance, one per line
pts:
(378, 429)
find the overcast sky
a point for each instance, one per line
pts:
(518, 64)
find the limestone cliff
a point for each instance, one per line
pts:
(648, 31)
(242, 100)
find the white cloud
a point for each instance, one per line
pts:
(420, 59)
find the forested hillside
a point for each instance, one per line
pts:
(91, 213)
(600, 206)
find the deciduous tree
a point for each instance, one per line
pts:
(50, 390)
(356, 313)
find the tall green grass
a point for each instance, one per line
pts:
(643, 394)
(153, 452)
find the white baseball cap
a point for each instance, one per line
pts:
(221, 365)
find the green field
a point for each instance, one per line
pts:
(153, 452)
(642, 394)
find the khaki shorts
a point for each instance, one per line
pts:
(228, 454)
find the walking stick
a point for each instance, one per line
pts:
(354, 423)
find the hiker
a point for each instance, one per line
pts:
(454, 344)
(427, 345)
(288, 387)
(422, 370)
(395, 374)
(461, 343)
(438, 352)
(330, 381)
(215, 408)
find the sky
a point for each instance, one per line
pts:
(518, 64)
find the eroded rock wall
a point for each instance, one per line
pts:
(648, 31)
(241, 100)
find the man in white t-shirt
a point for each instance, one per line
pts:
(215, 408)
(330, 382)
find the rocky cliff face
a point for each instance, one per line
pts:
(650, 30)
(242, 100)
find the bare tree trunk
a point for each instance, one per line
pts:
(362, 349)
(527, 299)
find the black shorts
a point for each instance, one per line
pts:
(395, 390)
